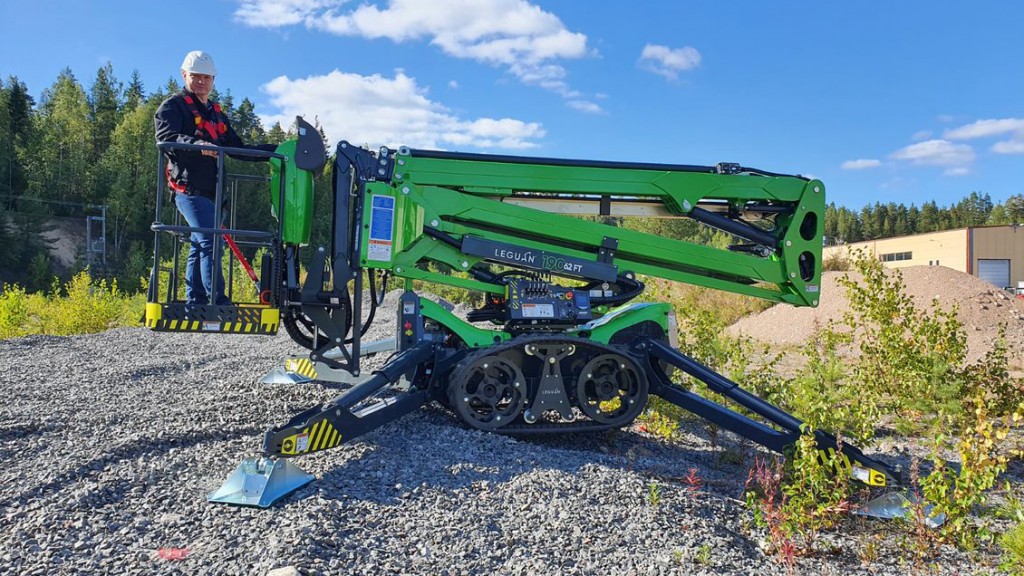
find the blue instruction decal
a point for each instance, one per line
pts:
(382, 222)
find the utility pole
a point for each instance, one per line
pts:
(96, 248)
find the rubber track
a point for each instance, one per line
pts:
(519, 426)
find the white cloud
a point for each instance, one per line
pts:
(921, 135)
(669, 62)
(276, 13)
(936, 153)
(1009, 147)
(585, 106)
(985, 128)
(958, 171)
(860, 164)
(453, 84)
(513, 34)
(375, 110)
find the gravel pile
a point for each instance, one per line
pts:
(110, 443)
(981, 309)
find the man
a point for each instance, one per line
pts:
(190, 117)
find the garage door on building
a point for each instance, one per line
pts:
(995, 272)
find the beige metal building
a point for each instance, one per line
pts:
(993, 253)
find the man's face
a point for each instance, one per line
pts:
(198, 84)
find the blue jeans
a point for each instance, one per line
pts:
(200, 212)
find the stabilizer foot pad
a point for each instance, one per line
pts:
(260, 482)
(898, 505)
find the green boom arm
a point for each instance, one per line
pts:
(516, 208)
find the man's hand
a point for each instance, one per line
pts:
(207, 152)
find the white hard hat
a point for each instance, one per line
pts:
(199, 62)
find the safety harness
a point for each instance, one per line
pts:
(210, 130)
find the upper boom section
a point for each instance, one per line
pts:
(464, 209)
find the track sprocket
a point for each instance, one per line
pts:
(488, 393)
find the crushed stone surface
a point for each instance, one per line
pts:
(110, 443)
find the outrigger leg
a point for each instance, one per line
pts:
(869, 471)
(260, 481)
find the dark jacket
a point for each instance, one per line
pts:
(175, 123)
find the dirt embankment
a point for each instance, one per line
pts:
(981, 308)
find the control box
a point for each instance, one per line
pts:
(538, 302)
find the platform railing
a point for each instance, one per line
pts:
(182, 233)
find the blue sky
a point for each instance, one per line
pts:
(905, 101)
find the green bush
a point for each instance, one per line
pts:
(14, 310)
(1012, 541)
(79, 306)
(825, 393)
(703, 316)
(809, 491)
(909, 358)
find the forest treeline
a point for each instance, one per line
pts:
(82, 147)
(888, 220)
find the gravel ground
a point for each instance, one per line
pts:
(110, 443)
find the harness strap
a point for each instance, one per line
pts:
(212, 130)
(215, 129)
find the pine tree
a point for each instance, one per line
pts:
(227, 102)
(913, 219)
(998, 216)
(276, 134)
(135, 94)
(848, 226)
(104, 109)
(900, 220)
(172, 87)
(867, 223)
(831, 222)
(972, 211)
(1015, 209)
(19, 114)
(930, 219)
(247, 124)
(6, 147)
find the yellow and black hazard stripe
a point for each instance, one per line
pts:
(243, 319)
(857, 470)
(301, 366)
(320, 436)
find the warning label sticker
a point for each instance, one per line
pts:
(538, 311)
(296, 444)
(301, 443)
(379, 250)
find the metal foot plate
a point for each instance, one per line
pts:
(260, 482)
(899, 505)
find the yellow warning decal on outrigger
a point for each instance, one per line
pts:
(238, 319)
(857, 470)
(319, 436)
(301, 366)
